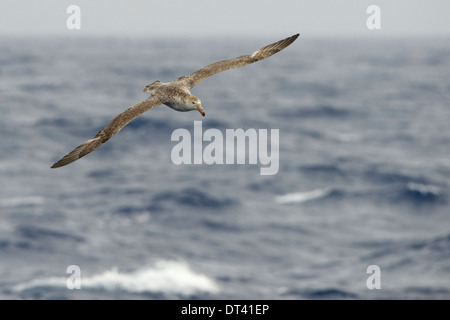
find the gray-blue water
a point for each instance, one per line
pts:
(363, 177)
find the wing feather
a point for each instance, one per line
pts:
(106, 133)
(212, 69)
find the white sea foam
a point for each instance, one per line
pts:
(424, 189)
(169, 277)
(300, 197)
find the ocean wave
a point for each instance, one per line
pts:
(33, 233)
(421, 193)
(193, 198)
(344, 137)
(393, 175)
(300, 197)
(411, 192)
(329, 169)
(55, 122)
(165, 277)
(423, 189)
(325, 293)
(439, 244)
(317, 111)
(101, 173)
(17, 202)
(410, 250)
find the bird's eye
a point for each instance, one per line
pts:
(193, 102)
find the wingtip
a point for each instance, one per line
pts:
(57, 165)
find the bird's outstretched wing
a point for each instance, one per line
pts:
(106, 133)
(212, 69)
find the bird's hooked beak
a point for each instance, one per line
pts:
(200, 109)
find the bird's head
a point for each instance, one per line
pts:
(194, 103)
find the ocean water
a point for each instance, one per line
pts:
(364, 141)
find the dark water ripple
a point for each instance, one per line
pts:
(193, 198)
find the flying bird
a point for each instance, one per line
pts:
(175, 94)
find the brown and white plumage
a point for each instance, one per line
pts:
(175, 95)
(212, 69)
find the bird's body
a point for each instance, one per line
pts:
(175, 94)
(172, 95)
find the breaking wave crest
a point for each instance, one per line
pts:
(166, 277)
(300, 197)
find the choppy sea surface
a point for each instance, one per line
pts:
(364, 141)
